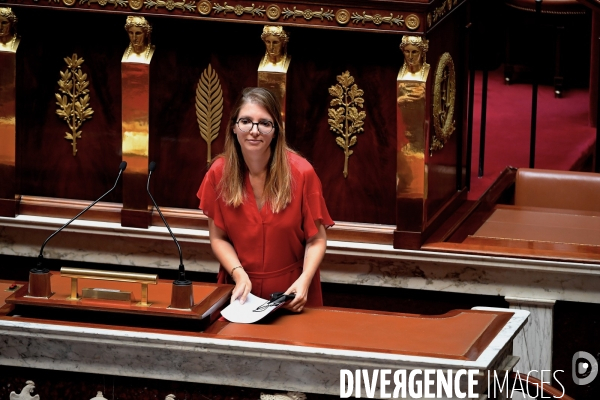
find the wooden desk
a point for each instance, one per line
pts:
(542, 225)
(277, 355)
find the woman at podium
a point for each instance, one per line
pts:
(266, 212)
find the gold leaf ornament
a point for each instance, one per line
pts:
(209, 107)
(346, 120)
(73, 104)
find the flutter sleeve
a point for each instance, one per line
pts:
(314, 207)
(208, 195)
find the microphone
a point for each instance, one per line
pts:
(181, 280)
(39, 268)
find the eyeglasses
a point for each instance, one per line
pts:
(264, 127)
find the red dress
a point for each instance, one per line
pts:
(270, 246)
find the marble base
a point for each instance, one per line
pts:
(534, 342)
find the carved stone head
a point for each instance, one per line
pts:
(139, 31)
(8, 24)
(276, 40)
(414, 48)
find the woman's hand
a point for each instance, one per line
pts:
(243, 285)
(300, 289)
(225, 253)
(313, 255)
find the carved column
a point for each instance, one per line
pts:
(8, 133)
(411, 170)
(272, 71)
(135, 86)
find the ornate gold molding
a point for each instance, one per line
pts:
(377, 19)
(273, 12)
(239, 10)
(204, 7)
(119, 3)
(171, 5)
(73, 105)
(136, 4)
(412, 21)
(342, 16)
(444, 97)
(307, 14)
(440, 11)
(345, 120)
(209, 107)
(299, 14)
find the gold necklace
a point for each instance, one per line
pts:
(11, 43)
(130, 48)
(422, 70)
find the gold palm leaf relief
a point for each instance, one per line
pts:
(209, 107)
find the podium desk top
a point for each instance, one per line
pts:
(458, 334)
(206, 296)
(309, 359)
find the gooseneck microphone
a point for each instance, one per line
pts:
(181, 281)
(39, 269)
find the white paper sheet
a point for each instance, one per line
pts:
(245, 313)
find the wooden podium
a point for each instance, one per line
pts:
(71, 304)
(303, 352)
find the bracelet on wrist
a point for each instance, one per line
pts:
(234, 268)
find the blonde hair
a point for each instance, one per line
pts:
(278, 184)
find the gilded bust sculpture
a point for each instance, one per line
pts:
(276, 58)
(414, 71)
(139, 31)
(8, 28)
(415, 68)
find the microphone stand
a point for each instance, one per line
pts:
(39, 277)
(182, 293)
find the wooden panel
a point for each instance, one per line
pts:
(184, 48)
(447, 166)
(45, 163)
(368, 193)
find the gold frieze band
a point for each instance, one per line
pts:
(300, 15)
(239, 10)
(308, 14)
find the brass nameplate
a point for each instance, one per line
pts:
(105, 294)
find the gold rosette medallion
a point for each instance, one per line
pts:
(273, 12)
(136, 4)
(412, 21)
(204, 7)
